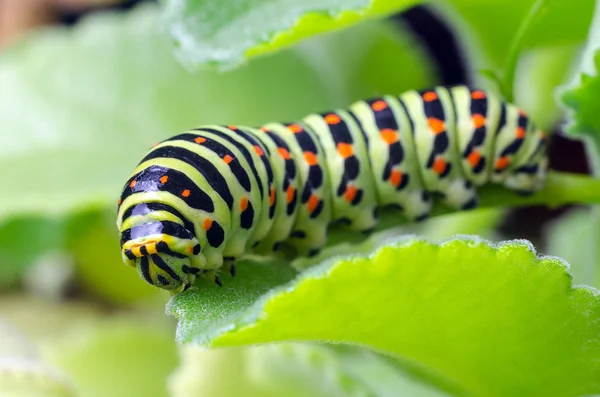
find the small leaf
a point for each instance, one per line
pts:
(213, 32)
(494, 320)
(584, 100)
(574, 238)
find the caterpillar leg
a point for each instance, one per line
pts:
(211, 275)
(461, 195)
(308, 243)
(229, 266)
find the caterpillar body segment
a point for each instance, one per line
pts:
(202, 199)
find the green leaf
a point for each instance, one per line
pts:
(584, 101)
(291, 370)
(213, 32)
(494, 320)
(22, 372)
(101, 352)
(213, 308)
(81, 106)
(581, 96)
(574, 238)
(494, 24)
(135, 358)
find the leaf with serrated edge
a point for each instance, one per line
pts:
(494, 320)
(211, 32)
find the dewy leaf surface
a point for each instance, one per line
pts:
(217, 32)
(493, 320)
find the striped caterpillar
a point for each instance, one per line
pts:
(200, 200)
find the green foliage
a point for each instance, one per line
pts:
(23, 373)
(205, 32)
(584, 101)
(494, 23)
(574, 238)
(463, 309)
(294, 370)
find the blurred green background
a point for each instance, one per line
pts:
(86, 86)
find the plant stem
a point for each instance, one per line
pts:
(516, 47)
(560, 189)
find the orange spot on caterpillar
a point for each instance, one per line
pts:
(311, 158)
(295, 128)
(520, 133)
(522, 113)
(332, 118)
(164, 179)
(289, 194)
(396, 177)
(389, 136)
(478, 120)
(478, 95)
(119, 202)
(258, 150)
(379, 105)
(199, 140)
(227, 159)
(244, 203)
(474, 158)
(155, 144)
(345, 149)
(189, 249)
(264, 129)
(272, 197)
(232, 127)
(186, 193)
(430, 96)
(502, 163)
(207, 224)
(439, 165)
(132, 184)
(350, 193)
(436, 125)
(312, 203)
(284, 153)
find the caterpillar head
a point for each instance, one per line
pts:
(164, 260)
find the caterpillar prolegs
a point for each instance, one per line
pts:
(200, 200)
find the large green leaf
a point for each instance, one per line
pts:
(217, 32)
(223, 33)
(493, 320)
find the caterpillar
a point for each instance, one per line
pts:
(200, 200)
